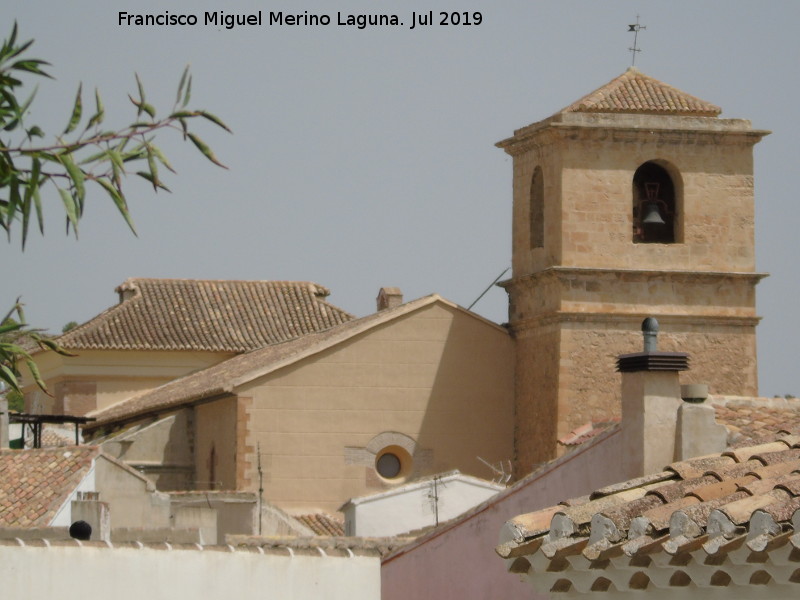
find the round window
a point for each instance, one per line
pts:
(388, 465)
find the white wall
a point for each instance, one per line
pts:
(94, 572)
(412, 506)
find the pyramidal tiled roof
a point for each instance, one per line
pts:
(34, 484)
(193, 314)
(635, 92)
(722, 520)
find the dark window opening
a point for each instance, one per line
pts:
(537, 209)
(388, 465)
(654, 206)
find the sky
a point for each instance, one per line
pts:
(363, 158)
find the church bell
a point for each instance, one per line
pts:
(651, 212)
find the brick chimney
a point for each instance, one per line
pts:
(389, 297)
(651, 396)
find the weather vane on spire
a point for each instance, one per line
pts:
(635, 29)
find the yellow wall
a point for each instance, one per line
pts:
(96, 379)
(215, 442)
(438, 379)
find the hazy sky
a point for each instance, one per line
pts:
(366, 158)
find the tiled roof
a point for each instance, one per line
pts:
(757, 417)
(716, 521)
(225, 376)
(192, 314)
(745, 418)
(34, 484)
(323, 524)
(586, 432)
(635, 92)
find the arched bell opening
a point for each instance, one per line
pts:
(654, 205)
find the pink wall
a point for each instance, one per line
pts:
(458, 560)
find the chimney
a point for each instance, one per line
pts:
(698, 432)
(651, 396)
(126, 290)
(88, 508)
(389, 297)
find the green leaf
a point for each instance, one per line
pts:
(75, 175)
(100, 112)
(181, 84)
(153, 167)
(141, 94)
(35, 374)
(32, 191)
(7, 375)
(163, 159)
(188, 94)
(119, 200)
(77, 109)
(149, 109)
(116, 158)
(70, 207)
(13, 201)
(214, 119)
(206, 151)
(155, 182)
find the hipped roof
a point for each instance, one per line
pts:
(211, 315)
(635, 92)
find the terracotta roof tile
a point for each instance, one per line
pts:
(635, 92)
(755, 418)
(745, 502)
(34, 484)
(323, 524)
(584, 433)
(191, 314)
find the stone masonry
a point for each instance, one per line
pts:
(578, 296)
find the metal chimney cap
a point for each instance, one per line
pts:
(650, 334)
(650, 325)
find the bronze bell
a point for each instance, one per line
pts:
(651, 214)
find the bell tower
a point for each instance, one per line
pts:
(634, 201)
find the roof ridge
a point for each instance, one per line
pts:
(207, 314)
(635, 92)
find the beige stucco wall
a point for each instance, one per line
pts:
(133, 499)
(438, 380)
(215, 445)
(159, 572)
(580, 300)
(96, 379)
(162, 450)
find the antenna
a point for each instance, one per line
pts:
(500, 475)
(635, 29)
(488, 288)
(435, 499)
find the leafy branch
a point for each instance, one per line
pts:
(84, 153)
(17, 341)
